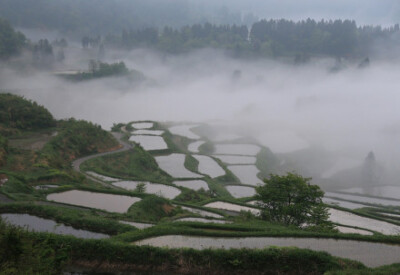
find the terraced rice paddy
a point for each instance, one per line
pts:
(194, 146)
(193, 184)
(148, 132)
(139, 225)
(381, 191)
(345, 204)
(247, 174)
(184, 130)
(209, 166)
(161, 190)
(202, 212)
(101, 177)
(237, 149)
(201, 220)
(45, 187)
(238, 191)
(350, 219)
(350, 230)
(174, 165)
(231, 207)
(370, 254)
(143, 125)
(236, 159)
(363, 199)
(37, 224)
(107, 202)
(150, 143)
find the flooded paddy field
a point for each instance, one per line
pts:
(345, 204)
(161, 190)
(238, 191)
(370, 254)
(139, 225)
(203, 220)
(247, 174)
(363, 199)
(231, 207)
(350, 219)
(46, 186)
(184, 130)
(38, 224)
(193, 184)
(150, 143)
(101, 177)
(174, 165)
(209, 166)
(194, 146)
(148, 132)
(388, 191)
(201, 212)
(236, 159)
(107, 202)
(343, 229)
(142, 125)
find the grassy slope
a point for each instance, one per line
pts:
(136, 164)
(76, 138)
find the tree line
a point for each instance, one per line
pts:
(269, 38)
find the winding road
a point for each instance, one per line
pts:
(125, 147)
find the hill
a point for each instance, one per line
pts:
(18, 113)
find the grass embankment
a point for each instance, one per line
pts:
(76, 138)
(136, 164)
(152, 209)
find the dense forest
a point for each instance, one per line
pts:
(266, 38)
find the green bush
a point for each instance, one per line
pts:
(18, 112)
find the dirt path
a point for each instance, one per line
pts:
(77, 163)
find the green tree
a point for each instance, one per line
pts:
(141, 187)
(292, 200)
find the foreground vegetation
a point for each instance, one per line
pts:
(35, 253)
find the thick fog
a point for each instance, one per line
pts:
(287, 108)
